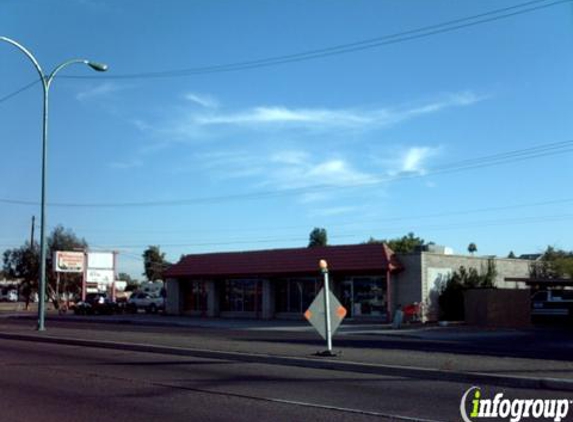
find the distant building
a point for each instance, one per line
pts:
(370, 280)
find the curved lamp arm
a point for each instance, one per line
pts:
(28, 54)
(47, 79)
(100, 67)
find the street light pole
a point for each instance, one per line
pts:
(46, 83)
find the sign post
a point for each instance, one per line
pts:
(324, 268)
(325, 313)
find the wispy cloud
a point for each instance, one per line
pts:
(415, 158)
(317, 175)
(213, 121)
(280, 114)
(329, 211)
(290, 157)
(123, 165)
(412, 160)
(99, 90)
(229, 164)
(286, 169)
(270, 116)
(204, 100)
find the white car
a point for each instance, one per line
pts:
(145, 301)
(10, 295)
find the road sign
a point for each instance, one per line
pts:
(316, 315)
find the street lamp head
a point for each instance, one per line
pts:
(100, 67)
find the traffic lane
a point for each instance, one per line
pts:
(384, 354)
(554, 344)
(173, 375)
(49, 384)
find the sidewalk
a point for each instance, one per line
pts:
(381, 350)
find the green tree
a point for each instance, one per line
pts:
(511, 255)
(405, 244)
(472, 248)
(132, 284)
(24, 262)
(451, 299)
(317, 237)
(154, 263)
(554, 263)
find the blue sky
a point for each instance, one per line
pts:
(255, 158)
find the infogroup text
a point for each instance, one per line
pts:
(475, 407)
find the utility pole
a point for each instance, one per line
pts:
(32, 232)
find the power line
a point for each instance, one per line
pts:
(395, 38)
(363, 233)
(544, 150)
(345, 223)
(24, 88)
(369, 232)
(399, 37)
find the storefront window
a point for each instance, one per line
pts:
(195, 296)
(365, 296)
(295, 295)
(241, 296)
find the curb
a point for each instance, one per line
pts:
(315, 363)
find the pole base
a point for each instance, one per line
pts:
(326, 353)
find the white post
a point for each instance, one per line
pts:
(324, 269)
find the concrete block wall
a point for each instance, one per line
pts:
(407, 286)
(424, 271)
(504, 267)
(174, 300)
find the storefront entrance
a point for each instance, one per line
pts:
(195, 297)
(365, 297)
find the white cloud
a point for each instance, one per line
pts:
(415, 158)
(98, 90)
(459, 99)
(280, 114)
(211, 123)
(289, 157)
(123, 165)
(298, 170)
(337, 172)
(271, 116)
(203, 100)
(141, 125)
(229, 164)
(330, 211)
(288, 169)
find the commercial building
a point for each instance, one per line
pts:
(370, 280)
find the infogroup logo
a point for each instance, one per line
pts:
(475, 407)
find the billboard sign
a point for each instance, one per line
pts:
(99, 276)
(100, 260)
(69, 262)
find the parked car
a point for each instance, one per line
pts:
(96, 304)
(555, 303)
(9, 295)
(140, 300)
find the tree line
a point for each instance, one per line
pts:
(23, 263)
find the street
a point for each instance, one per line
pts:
(53, 383)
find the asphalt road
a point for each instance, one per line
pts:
(49, 383)
(544, 342)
